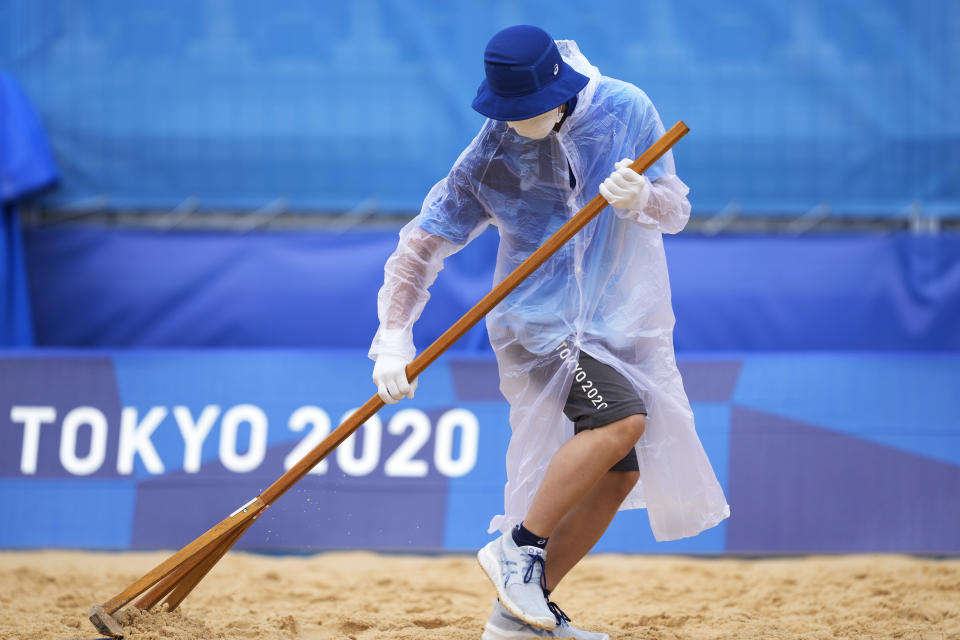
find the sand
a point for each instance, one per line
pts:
(366, 596)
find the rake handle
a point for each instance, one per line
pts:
(470, 318)
(175, 577)
(189, 556)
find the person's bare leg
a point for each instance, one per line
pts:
(576, 467)
(583, 525)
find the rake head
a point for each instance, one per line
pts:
(173, 579)
(104, 622)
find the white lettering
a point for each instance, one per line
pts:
(347, 458)
(32, 418)
(455, 446)
(402, 464)
(229, 456)
(194, 433)
(135, 440)
(443, 445)
(83, 416)
(321, 429)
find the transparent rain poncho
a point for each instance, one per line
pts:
(606, 292)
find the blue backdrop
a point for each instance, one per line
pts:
(98, 287)
(333, 105)
(819, 453)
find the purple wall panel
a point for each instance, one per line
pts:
(63, 384)
(328, 511)
(795, 487)
(710, 380)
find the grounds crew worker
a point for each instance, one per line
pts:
(584, 346)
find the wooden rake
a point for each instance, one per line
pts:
(174, 578)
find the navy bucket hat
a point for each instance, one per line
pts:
(525, 75)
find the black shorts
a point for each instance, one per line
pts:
(599, 396)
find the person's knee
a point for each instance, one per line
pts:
(629, 430)
(624, 482)
(638, 424)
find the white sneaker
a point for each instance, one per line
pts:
(517, 575)
(504, 626)
(566, 630)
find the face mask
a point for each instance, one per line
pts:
(537, 127)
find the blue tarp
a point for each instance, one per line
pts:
(95, 287)
(25, 166)
(853, 103)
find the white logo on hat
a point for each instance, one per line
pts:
(556, 69)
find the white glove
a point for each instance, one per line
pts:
(390, 376)
(625, 188)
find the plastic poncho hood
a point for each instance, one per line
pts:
(606, 292)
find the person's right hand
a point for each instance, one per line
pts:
(390, 376)
(625, 188)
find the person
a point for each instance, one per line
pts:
(584, 346)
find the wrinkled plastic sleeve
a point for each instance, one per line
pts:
(450, 218)
(408, 274)
(667, 209)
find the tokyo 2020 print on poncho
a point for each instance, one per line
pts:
(606, 292)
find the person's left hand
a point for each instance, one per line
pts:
(625, 188)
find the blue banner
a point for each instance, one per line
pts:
(137, 450)
(853, 104)
(279, 289)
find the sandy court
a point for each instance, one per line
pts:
(366, 596)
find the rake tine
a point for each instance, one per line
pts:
(180, 562)
(204, 558)
(185, 586)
